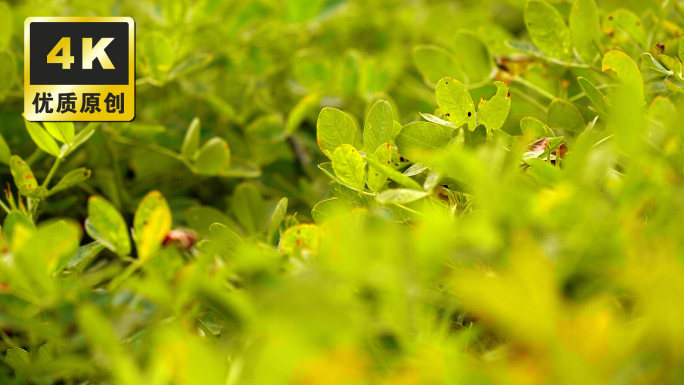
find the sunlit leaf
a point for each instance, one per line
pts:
(379, 126)
(456, 103)
(377, 179)
(62, 131)
(349, 166)
(330, 208)
(42, 139)
(333, 129)
(421, 140)
(626, 70)
(493, 113)
(401, 196)
(151, 223)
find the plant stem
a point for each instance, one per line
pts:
(50, 174)
(155, 148)
(4, 207)
(534, 87)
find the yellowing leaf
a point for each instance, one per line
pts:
(151, 223)
(303, 238)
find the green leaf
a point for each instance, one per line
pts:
(18, 358)
(300, 112)
(192, 139)
(329, 209)
(421, 140)
(248, 207)
(650, 62)
(62, 131)
(349, 166)
(585, 29)
(672, 64)
(626, 70)
(304, 238)
(56, 244)
(565, 115)
(84, 255)
(401, 196)
(535, 128)
(277, 217)
(327, 168)
(379, 126)
(395, 175)
(456, 103)
(662, 110)
(8, 68)
(333, 129)
(200, 219)
(42, 139)
(435, 63)
(72, 178)
(493, 113)
(473, 57)
(213, 157)
(151, 223)
(626, 23)
(342, 192)
(433, 119)
(548, 30)
(680, 50)
(11, 221)
(82, 136)
(592, 93)
(431, 180)
(158, 55)
(110, 227)
(222, 241)
(377, 179)
(241, 168)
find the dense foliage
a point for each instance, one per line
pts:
(354, 192)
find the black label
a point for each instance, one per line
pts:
(45, 36)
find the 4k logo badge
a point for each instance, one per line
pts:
(79, 69)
